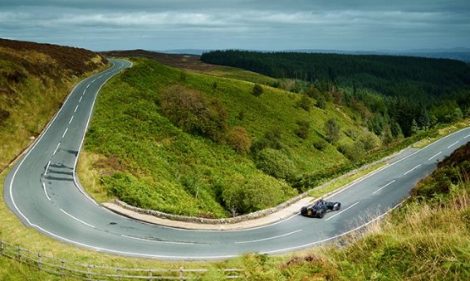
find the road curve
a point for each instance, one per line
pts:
(43, 192)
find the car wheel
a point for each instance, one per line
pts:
(321, 214)
(303, 211)
(337, 206)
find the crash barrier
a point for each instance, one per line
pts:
(92, 272)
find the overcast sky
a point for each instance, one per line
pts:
(242, 24)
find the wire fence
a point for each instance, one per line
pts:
(91, 272)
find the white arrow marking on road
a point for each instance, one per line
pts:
(77, 219)
(269, 238)
(453, 144)
(383, 186)
(434, 156)
(409, 171)
(337, 214)
(47, 167)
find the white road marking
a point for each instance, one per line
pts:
(383, 186)
(56, 149)
(434, 156)
(453, 144)
(339, 213)
(77, 219)
(65, 132)
(156, 241)
(467, 136)
(71, 120)
(76, 108)
(87, 86)
(269, 238)
(47, 167)
(80, 100)
(411, 170)
(45, 191)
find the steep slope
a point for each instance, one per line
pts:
(34, 80)
(197, 144)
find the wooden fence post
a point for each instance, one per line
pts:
(150, 275)
(181, 273)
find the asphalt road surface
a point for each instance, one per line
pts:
(43, 192)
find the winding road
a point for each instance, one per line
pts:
(43, 191)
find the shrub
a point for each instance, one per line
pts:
(303, 129)
(332, 130)
(353, 152)
(257, 90)
(239, 139)
(275, 163)
(305, 103)
(4, 114)
(320, 144)
(271, 139)
(321, 103)
(189, 110)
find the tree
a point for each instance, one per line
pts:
(332, 130)
(257, 90)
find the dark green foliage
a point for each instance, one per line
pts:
(332, 130)
(4, 114)
(275, 163)
(305, 103)
(353, 152)
(271, 139)
(303, 130)
(320, 144)
(189, 110)
(257, 90)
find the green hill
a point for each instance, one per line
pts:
(34, 80)
(186, 142)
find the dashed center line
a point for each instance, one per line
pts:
(453, 144)
(434, 156)
(156, 241)
(383, 186)
(337, 214)
(77, 219)
(87, 86)
(76, 108)
(56, 149)
(269, 238)
(467, 136)
(80, 100)
(411, 170)
(65, 132)
(71, 118)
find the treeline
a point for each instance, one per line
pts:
(395, 95)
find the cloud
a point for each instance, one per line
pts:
(262, 24)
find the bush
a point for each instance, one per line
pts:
(3, 116)
(190, 111)
(353, 152)
(321, 103)
(275, 163)
(257, 90)
(332, 130)
(305, 103)
(239, 139)
(271, 139)
(320, 144)
(303, 130)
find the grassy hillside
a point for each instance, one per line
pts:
(190, 143)
(426, 239)
(34, 80)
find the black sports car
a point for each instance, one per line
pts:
(320, 208)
